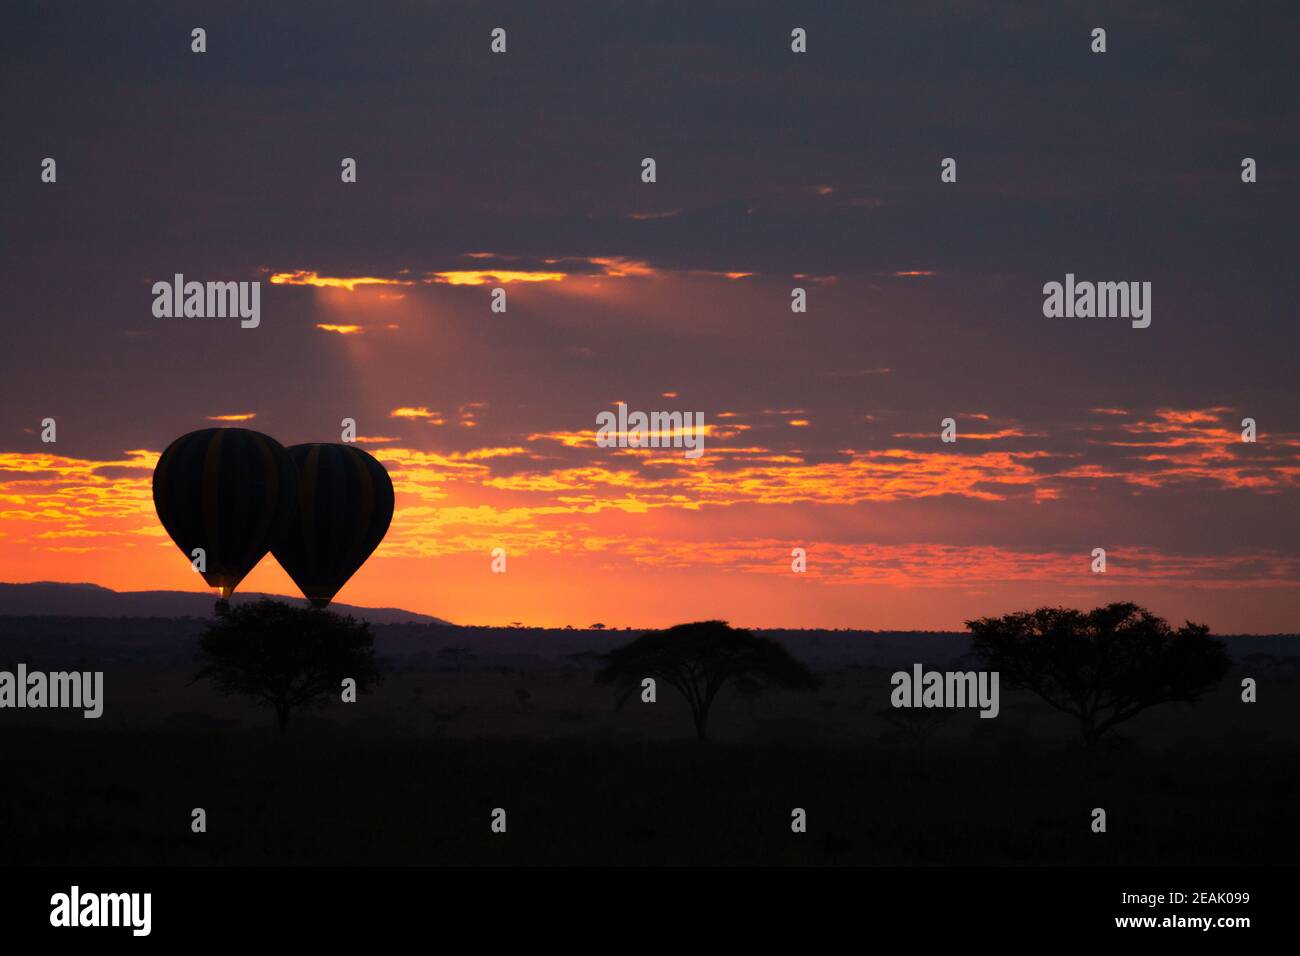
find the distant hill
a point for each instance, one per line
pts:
(45, 598)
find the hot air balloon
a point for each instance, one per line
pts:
(228, 491)
(345, 502)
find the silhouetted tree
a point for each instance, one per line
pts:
(699, 660)
(1101, 666)
(284, 656)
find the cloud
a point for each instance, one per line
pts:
(310, 278)
(418, 413)
(499, 276)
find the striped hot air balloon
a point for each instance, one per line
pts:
(229, 491)
(345, 503)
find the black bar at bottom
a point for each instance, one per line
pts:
(589, 907)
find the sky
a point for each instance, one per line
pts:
(774, 171)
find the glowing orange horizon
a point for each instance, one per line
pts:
(589, 532)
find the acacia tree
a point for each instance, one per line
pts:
(699, 660)
(1101, 666)
(286, 657)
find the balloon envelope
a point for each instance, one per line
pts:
(228, 491)
(345, 504)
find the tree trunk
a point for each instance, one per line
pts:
(701, 716)
(282, 718)
(1090, 734)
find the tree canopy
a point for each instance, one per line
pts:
(1102, 666)
(700, 659)
(286, 657)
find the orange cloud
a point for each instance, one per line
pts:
(240, 417)
(1187, 445)
(501, 276)
(304, 277)
(618, 267)
(340, 329)
(978, 436)
(1191, 416)
(723, 275)
(419, 412)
